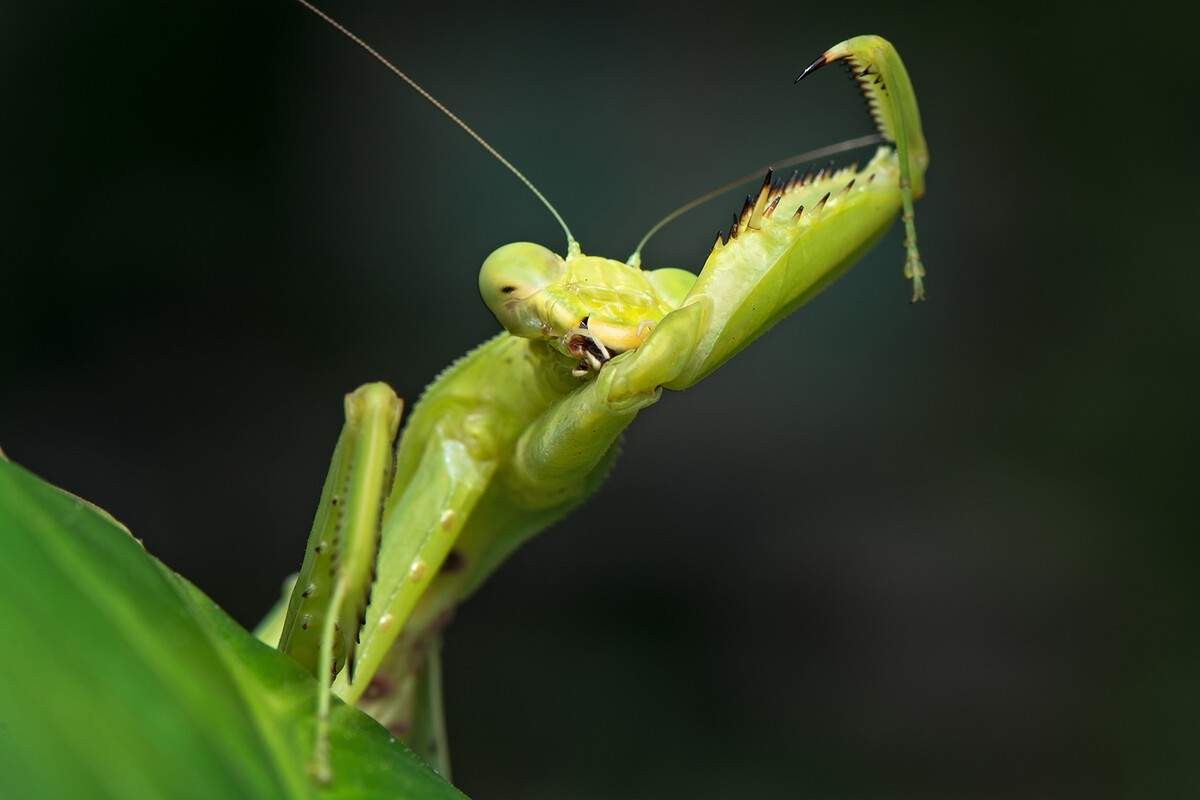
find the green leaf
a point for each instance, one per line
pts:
(120, 679)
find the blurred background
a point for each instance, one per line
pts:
(890, 551)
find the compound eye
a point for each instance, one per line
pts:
(510, 277)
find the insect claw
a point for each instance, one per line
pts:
(918, 295)
(817, 63)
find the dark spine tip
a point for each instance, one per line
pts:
(767, 181)
(817, 63)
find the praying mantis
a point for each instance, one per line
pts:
(521, 430)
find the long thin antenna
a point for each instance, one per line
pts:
(572, 245)
(812, 155)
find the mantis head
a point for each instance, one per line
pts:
(522, 285)
(587, 308)
(510, 277)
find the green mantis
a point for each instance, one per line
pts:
(521, 430)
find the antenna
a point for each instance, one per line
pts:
(572, 245)
(635, 260)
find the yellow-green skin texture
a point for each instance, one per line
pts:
(522, 429)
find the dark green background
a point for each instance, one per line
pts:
(930, 552)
